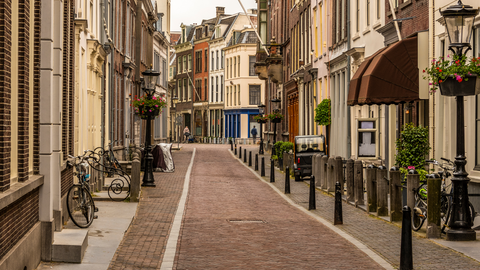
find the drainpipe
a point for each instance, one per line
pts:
(349, 135)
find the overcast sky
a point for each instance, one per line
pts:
(194, 11)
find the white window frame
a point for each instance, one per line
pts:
(358, 130)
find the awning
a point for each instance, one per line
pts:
(389, 76)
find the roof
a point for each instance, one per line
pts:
(246, 37)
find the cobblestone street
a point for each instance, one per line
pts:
(234, 220)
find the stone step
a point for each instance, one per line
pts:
(69, 245)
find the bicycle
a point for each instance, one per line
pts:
(447, 193)
(80, 205)
(420, 209)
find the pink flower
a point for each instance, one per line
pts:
(458, 78)
(150, 110)
(411, 167)
(154, 98)
(156, 106)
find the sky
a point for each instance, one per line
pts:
(194, 11)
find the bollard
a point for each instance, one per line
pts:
(338, 172)
(287, 180)
(240, 153)
(245, 155)
(413, 180)
(314, 165)
(311, 200)
(235, 149)
(434, 184)
(330, 177)
(317, 169)
(272, 171)
(338, 217)
(350, 181)
(382, 192)
(262, 168)
(250, 158)
(406, 256)
(135, 181)
(395, 195)
(256, 162)
(231, 146)
(323, 172)
(358, 183)
(371, 174)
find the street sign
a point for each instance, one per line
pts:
(179, 120)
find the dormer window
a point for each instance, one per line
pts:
(217, 32)
(183, 35)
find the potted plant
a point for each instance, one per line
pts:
(148, 107)
(457, 76)
(275, 117)
(261, 118)
(412, 148)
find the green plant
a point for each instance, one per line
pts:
(274, 157)
(286, 147)
(261, 118)
(412, 149)
(275, 115)
(458, 67)
(145, 106)
(323, 114)
(277, 146)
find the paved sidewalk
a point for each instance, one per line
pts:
(381, 236)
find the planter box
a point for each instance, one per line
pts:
(451, 87)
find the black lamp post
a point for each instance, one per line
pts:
(150, 78)
(276, 108)
(175, 101)
(261, 110)
(459, 20)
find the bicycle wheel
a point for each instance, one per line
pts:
(80, 206)
(119, 189)
(449, 213)
(418, 215)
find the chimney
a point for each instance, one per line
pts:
(220, 11)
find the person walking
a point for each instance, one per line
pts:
(254, 134)
(186, 133)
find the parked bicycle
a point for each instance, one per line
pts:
(448, 167)
(80, 205)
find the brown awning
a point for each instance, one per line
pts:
(387, 77)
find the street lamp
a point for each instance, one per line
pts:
(261, 111)
(175, 101)
(459, 20)
(150, 77)
(276, 108)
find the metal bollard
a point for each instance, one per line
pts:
(406, 256)
(358, 183)
(338, 172)
(231, 146)
(250, 158)
(382, 192)
(256, 162)
(245, 155)
(371, 175)
(323, 172)
(395, 195)
(312, 205)
(262, 168)
(272, 171)
(338, 216)
(330, 175)
(287, 180)
(434, 184)
(240, 153)
(235, 149)
(350, 183)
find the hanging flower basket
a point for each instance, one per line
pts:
(275, 117)
(148, 108)
(261, 119)
(468, 86)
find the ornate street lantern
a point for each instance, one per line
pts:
(150, 78)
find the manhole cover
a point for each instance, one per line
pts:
(246, 221)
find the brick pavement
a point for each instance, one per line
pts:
(233, 221)
(379, 235)
(144, 242)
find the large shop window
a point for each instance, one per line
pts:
(367, 138)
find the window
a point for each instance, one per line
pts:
(217, 61)
(235, 67)
(179, 64)
(378, 9)
(239, 103)
(254, 94)
(216, 89)
(206, 61)
(190, 90)
(184, 63)
(213, 61)
(205, 96)
(198, 89)
(189, 62)
(156, 65)
(221, 88)
(228, 88)
(180, 89)
(251, 67)
(367, 137)
(316, 31)
(231, 67)
(321, 28)
(358, 16)
(476, 42)
(211, 90)
(223, 53)
(235, 95)
(198, 61)
(368, 12)
(238, 66)
(185, 89)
